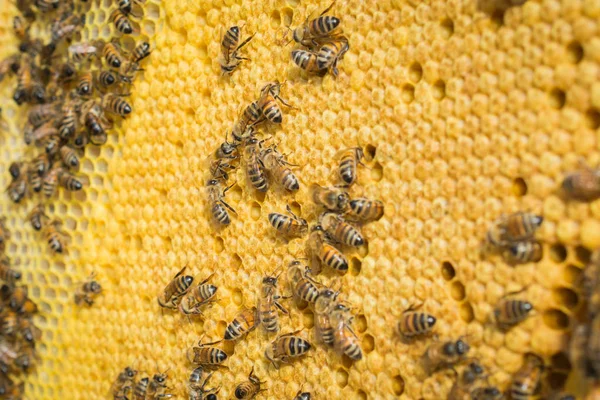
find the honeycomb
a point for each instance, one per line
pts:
(466, 110)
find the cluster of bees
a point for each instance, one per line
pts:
(145, 388)
(72, 88)
(18, 333)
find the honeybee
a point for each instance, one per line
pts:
(244, 127)
(523, 252)
(582, 185)
(290, 226)
(37, 217)
(41, 113)
(157, 386)
(9, 323)
(285, 347)
(332, 198)
(219, 169)
(510, 312)
(278, 168)
(69, 182)
(128, 71)
(9, 275)
(9, 64)
(307, 60)
(302, 395)
(14, 169)
(51, 144)
(516, 227)
(323, 305)
(28, 331)
(175, 290)
(34, 180)
(68, 123)
(324, 252)
(464, 385)
(55, 238)
(227, 150)
(198, 296)
(4, 232)
(250, 388)
(197, 382)
(364, 210)
(85, 85)
(82, 138)
(121, 21)
(107, 78)
(116, 105)
(24, 359)
(302, 285)
(244, 323)
(123, 383)
(268, 303)
(69, 156)
(65, 28)
(17, 189)
(67, 71)
(18, 299)
(255, 169)
(126, 6)
(445, 354)
(50, 181)
(141, 389)
(94, 124)
(267, 102)
(140, 52)
(112, 54)
(486, 393)
(526, 381)
(349, 160)
(345, 340)
(230, 48)
(80, 52)
(218, 206)
(45, 130)
(24, 81)
(311, 32)
(331, 53)
(340, 231)
(413, 323)
(88, 291)
(205, 355)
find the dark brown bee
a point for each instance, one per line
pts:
(510, 312)
(302, 285)
(37, 217)
(128, 71)
(465, 384)
(82, 138)
(94, 124)
(123, 383)
(331, 53)
(15, 169)
(68, 123)
(17, 189)
(112, 54)
(81, 52)
(414, 323)
(220, 169)
(341, 231)
(332, 198)
(107, 78)
(141, 389)
(29, 332)
(67, 71)
(116, 105)
(25, 359)
(313, 31)
(244, 323)
(157, 386)
(18, 299)
(244, 127)
(582, 185)
(205, 355)
(140, 52)
(51, 180)
(51, 144)
(230, 48)
(445, 354)
(69, 182)
(88, 291)
(24, 81)
(9, 275)
(517, 227)
(349, 160)
(250, 388)
(218, 206)
(307, 60)
(231, 38)
(255, 170)
(324, 252)
(267, 102)
(288, 225)
(44, 131)
(286, 347)
(4, 232)
(277, 167)
(121, 22)
(198, 296)
(345, 340)
(486, 393)
(175, 290)
(85, 85)
(523, 252)
(41, 113)
(55, 238)
(34, 180)
(227, 150)
(526, 381)
(268, 304)
(69, 156)
(323, 306)
(364, 210)
(197, 382)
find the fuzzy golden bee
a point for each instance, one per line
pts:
(141, 389)
(141, 51)
(413, 323)
(349, 160)
(510, 312)
(255, 170)
(323, 325)
(123, 383)
(197, 383)
(216, 199)
(121, 21)
(267, 102)
(331, 53)
(230, 49)
(107, 78)
(345, 340)
(582, 185)
(244, 126)
(227, 150)
(444, 354)
(526, 381)
(112, 54)
(116, 105)
(307, 60)
(364, 210)
(464, 384)
(523, 252)
(9, 275)
(69, 181)
(205, 355)
(85, 86)
(55, 238)
(516, 227)
(34, 180)
(17, 189)
(323, 252)
(332, 198)
(312, 32)
(175, 290)
(288, 225)
(278, 168)
(200, 295)
(250, 388)
(286, 347)
(302, 285)
(339, 230)
(51, 180)
(37, 217)
(268, 304)
(244, 323)
(68, 123)
(157, 386)
(86, 293)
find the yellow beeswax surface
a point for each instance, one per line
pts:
(465, 113)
